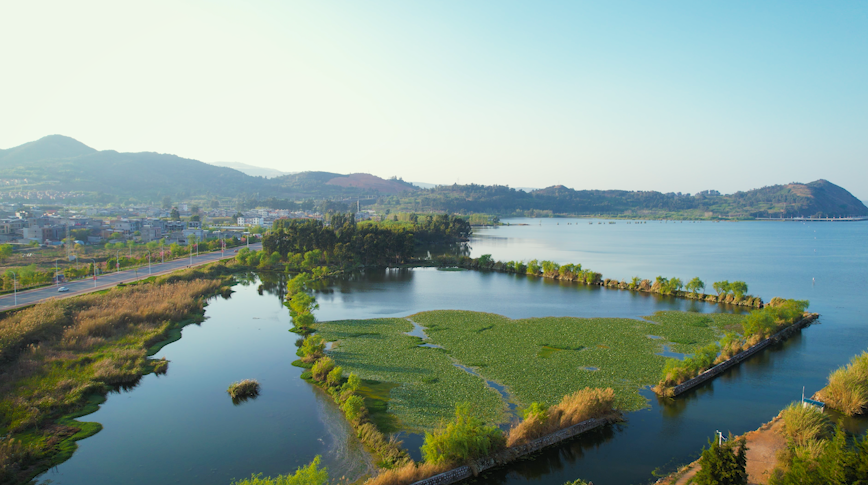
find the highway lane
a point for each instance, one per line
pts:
(108, 280)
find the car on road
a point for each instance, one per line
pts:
(62, 289)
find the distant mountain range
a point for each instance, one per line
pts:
(819, 198)
(252, 170)
(59, 163)
(64, 164)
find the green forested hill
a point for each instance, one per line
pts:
(819, 198)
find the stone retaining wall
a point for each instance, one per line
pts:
(744, 355)
(510, 454)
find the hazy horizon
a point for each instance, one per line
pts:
(680, 97)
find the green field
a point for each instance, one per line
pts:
(536, 359)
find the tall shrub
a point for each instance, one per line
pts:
(461, 440)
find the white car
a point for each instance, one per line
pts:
(63, 289)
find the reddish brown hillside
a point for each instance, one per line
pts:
(367, 181)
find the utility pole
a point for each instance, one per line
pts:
(15, 287)
(94, 272)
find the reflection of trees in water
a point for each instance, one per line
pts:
(245, 278)
(427, 251)
(274, 283)
(350, 282)
(552, 459)
(674, 407)
(239, 400)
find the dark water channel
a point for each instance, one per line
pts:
(183, 428)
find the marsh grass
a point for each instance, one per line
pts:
(805, 424)
(847, 390)
(54, 356)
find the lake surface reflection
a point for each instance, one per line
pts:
(183, 428)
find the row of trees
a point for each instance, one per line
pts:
(735, 292)
(324, 372)
(758, 325)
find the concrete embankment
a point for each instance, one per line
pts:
(745, 354)
(511, 454)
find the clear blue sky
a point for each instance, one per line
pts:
(670, 96)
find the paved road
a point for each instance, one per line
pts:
(108, 280)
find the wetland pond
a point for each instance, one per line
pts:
(183, 427)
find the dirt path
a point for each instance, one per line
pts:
(763, 445)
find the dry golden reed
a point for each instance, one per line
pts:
(573, 409)
(407, 474)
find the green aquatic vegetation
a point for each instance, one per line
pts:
(536, 360)
(423, 383)
(509, 353)
(689, 329)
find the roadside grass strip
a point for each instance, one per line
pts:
(428, 385)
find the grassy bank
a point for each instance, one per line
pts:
(847, 390)
(59, 359)
(537, 360)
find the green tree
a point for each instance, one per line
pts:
(694, 285)
(738, 289)
(5, 251)
(721, 287)
(723, 464)
(463, 439)
(354, 408)
(335, 376)
(167, 202)
(351, 386)
(215, 204)
(174, 214)
(321, 368)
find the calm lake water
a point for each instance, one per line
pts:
(183, 428)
